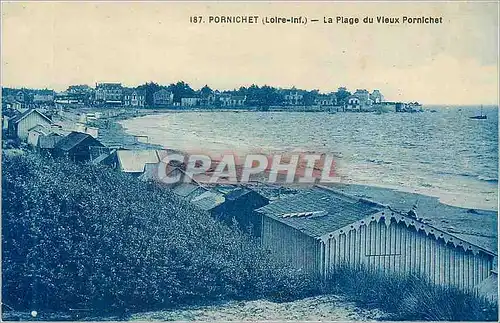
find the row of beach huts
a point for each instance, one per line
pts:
(315, 229)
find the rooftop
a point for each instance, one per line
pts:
(26, 113)
(108, 85)
(73, 139)
(319, 211)
(208, 200)
(316, 211)
(134, 161)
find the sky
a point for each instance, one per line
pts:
(56, 44)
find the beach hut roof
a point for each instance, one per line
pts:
(323, 212)
(134, 161)
(40, 129)
(184, 189)
(74, 139)
(208, 200)
(237, 193)
(102, 156)
(26, 113)
(316, 212)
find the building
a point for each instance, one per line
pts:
(207, 99)
(22, 123)
(227, 100)
(224, 99)
(364, 96)
(376, 97)
(293, 98)
(353, 103)
(326, 99)
(134, 98)
(43, 96)
(359, 101)
(76, 146)
(13, 104)
(131, 161)
(238, 100)
(82, 127)
(320, 229)
(35, 133)
(75, 94)
(46, 144)
(69, 98)
(190, 102)
(163, 98)
(226, 203)
(109, 94)
(80, 89)
(238, 205)
(21, 96)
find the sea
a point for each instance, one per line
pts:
(443, 153)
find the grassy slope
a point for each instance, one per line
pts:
(77, 236)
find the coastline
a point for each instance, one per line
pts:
(432, 208)
(456, 199)
(112, 133)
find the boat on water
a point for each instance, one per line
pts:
(481, 116)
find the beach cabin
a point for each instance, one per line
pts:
(132, 161)
(20, 125)
(35, 133)
(46, 144)
(76, 146)
(320, 229)
(239, 204)
(225, 203)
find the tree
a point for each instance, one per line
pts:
(181, 90)
(206, 91)
(342, 94)
(262, 96)
(149, 88)
(309, 97)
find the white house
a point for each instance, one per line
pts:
(22, 123)
(189, 102)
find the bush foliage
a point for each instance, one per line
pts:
(86, 237)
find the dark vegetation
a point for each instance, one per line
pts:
(88, 238)
(83, 237)
(262, 96)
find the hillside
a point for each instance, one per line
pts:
(77, 236)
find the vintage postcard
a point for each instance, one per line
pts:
(249, 161)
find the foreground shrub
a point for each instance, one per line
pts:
(85, 237)
(410, 297)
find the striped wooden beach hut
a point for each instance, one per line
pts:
(320, 229)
